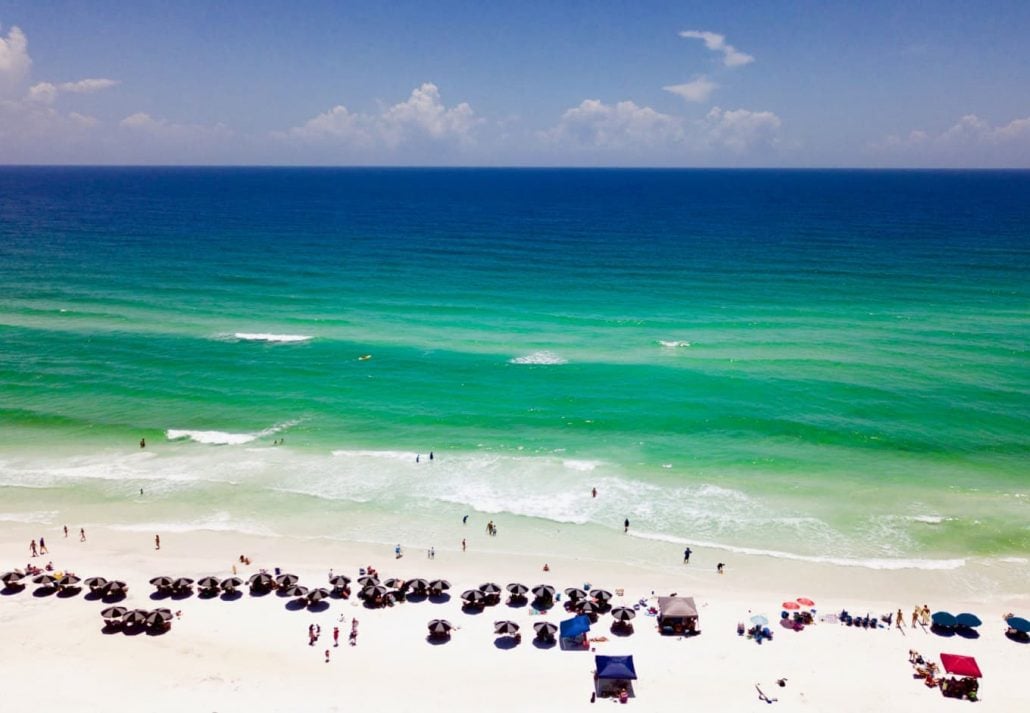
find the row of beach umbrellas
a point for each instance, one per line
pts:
(135, 617)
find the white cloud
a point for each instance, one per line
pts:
(731, 56)
(740, 130)
(422, 117)
(971, 141)
(144, 124)
(47, 92)
(14, 60)
(696, 90)
(596, 124)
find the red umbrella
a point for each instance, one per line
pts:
(791, 605)
(960, 665)
(805, 602)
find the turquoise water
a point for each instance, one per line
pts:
(821, 364)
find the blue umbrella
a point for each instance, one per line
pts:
(968, 620)
(1019, 624)
(759, 620)
(943, 618)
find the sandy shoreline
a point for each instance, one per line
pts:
(253, 653)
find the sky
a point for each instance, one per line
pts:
(464, 83)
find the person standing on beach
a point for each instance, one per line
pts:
(925, 615)
(915, 616)
(82, 534)
(66, 531)
(397, 551)
(593, 492)
(430, 455)
(157, 542)
(42, 547)
(32, 549)
(462, 544)
(143, 443)
(900, 621)
(686, 555)
(625, 525)
(718, 567)
(336, 636)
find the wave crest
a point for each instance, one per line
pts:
(271, 338)
(539, 358)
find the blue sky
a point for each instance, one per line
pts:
(529, 83)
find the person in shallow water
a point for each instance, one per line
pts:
(143, 443)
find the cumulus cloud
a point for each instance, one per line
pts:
(731, 56)
(739, 130)
(422, 117)
(144, 124)
(971, 141)
(596, 124)
(696, 90)
(14, 60)
(47, 91)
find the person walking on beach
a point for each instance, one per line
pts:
(915, 616)
(686, 555)
(593, 492)
(925, 615)
(42, 547)
(430, 455)
(418, 457)
(462, 544)
(336, 636)
(431, 553)
(625, 525)
(465, 520)
(82, 534)
(397, 551)
(157, 542)
(66, 531)
(900, 621)
(327, 655)
(32, 549)
(718, 567)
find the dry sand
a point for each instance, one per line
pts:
(253, 653)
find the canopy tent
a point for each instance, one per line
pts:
(614, 675)
(573, 632)
(960, 665)
(678, 614)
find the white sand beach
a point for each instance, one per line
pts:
(253, 653)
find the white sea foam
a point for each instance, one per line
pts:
(668, 344)
(221, 438)
(42, 517)
(930, 519)
(584, 466)
(273, 338)
(384, 455)
(539, 358)
(219, 522)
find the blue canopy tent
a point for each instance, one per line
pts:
(573, 632)
(614, 675)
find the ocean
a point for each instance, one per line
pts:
(817, 365)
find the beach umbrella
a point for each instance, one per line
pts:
(543, 591)
(317, 595)
(791, 605)
(440, 626)
(159, 617)
(296, 591)
(601, 595)
(287, 580)
(623, 613)
(135, 616)
(439, 585)
(11, 577)
(505, 627)
(961, 665)
(545, 629)
(472, 596)
(162, 582)
(261, 580)
(116, 586)
(95, 583)
(575, 593)
(1019, 624)
(418, 584)
(970, 621)
(68, 580)
(759, 620)
(394, 582)
(230, 584)
(182, 584)
(47, 580)
(943, 618)
(517, 590)
(340, 581)
(374, 590)
(114, 612)
(489, 589)
(368, 580)
(209, 583)
(586, 607)
(805, 602)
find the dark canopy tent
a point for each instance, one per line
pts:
(677, 615)
(573, 632)
(614, 674)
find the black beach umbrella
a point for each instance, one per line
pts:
(395, 582)
(440, 626)
(47, 580)
(159, 617)
(439, 585)
(367, 580)
(339, 581)
(317, 595)
(967, 620)
(505, 627)
(116, 587)
(545, 629)
(472, 596)
(15, 575)
(230, 584)
(543, 591)
(95, 583)
(261, 580)
(209, 583)
(114, 612)
(374, 590)
(601, 595)
(135, 616)
(575, 593)
(69, 580)
(287, 580)
(296, 591)
(586, 607)
(418, 584)
(623, 613)
(489, 589)
(182, 584)
(517, 590)
(162, 582)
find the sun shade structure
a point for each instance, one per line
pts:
(575, 593)
(287, 580)
(159, 617)
(114, 612)
(960, 665)
(230, 584)
(135, 616)
(440, 626)
(601, 595)
(1019, 624)
(623, 613)
(162, 582)
(439, 585)
(545, 629)
(15, 575)
(472, 596)
(418, 584)
(967, 620)
(517, 590)
(791, 605)
(115, 587)
(262, 580)
(944, 619)
(47, 580)
(576, 626)
(317, 595)
(543, 591)
(296, 591)
(617, 667)
(339, 580)
(505, 627)
(367, 580)
(805, 602)
(678, 614)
